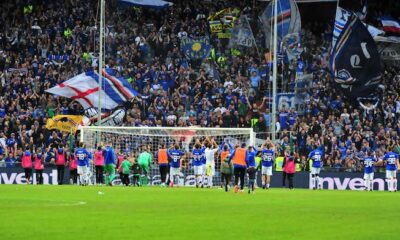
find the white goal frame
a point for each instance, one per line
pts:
(169, 132)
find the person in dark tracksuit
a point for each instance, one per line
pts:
(251, 167)
(136, 173)
(226, 168)
(289, 168)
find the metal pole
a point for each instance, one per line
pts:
(101, 38)
(274, 71)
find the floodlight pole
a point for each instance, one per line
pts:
(274, 70)
(101, 38)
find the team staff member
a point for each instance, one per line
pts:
(39, 166)
(26, 163)
(226, 167)
(238, 158)
(289, 167)
(162, 160)
(61, 156)
(224, 155)
(73, 172)
(99, 165)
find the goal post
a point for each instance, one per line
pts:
(130, 140)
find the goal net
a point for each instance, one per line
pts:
(130, 140)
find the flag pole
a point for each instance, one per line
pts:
(101, 38)
(274, 71)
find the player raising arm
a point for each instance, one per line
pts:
(82, 155)
(391, 160)
(209, 152)
(369, 162)
(316, 158)
(176, 155)
(267, 160)
(197, 157)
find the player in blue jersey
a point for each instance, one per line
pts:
(316, 158)
(391, 160)
(369, 162)
(176, 156)
(251, 167)
(204, 164)
(197, 162)
(82, 155)
(267, 160)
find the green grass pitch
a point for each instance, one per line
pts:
(79, 213)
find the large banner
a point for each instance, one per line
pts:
(16, 175)
(330, 180)
(334, 180)
(67, 123)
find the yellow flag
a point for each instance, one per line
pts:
(66, 123)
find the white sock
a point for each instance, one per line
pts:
(389, 183)
(313, 182)
(395, 184)
(371, 185)
(171, 178)
(366, 184)
(267, 185)
(210, 183)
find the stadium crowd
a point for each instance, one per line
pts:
(43, 43)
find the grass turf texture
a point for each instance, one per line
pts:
(73, 212)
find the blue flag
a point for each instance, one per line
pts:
(196, 48)
(355, 61)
